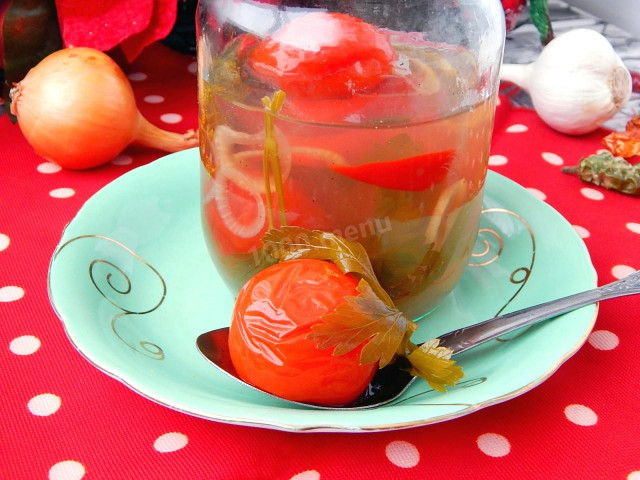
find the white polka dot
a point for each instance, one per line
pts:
(25, 345)
(170, 442)
(44, 405)
(48, 167)
(537, 193)
(592, 193)
(603, 340)
(402, 454)
(552, 158)
(493, 444)
(137, 76)
(621, 271)
(307, 475)
(634, 227)
(62, 192)
(4, 241)
(67, 470)
(634, 475)
(154, 99)
(498, 101)
(122, 160)
(171, 117)
(193, 67)
(581, 415)
(11, 293)
(517, 128)
(497, 160)
(583, 232)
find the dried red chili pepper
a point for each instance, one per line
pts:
(625, 144)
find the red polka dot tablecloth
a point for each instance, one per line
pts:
(62, 419)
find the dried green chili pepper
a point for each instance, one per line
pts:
(608, 171)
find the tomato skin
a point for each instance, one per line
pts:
(273, 315)
(326, 55)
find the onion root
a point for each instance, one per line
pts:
(148, 135)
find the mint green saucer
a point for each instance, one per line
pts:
(134, 286)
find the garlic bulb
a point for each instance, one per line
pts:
(577, 83)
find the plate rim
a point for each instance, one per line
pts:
(317, 428)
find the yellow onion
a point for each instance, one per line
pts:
(77, 109)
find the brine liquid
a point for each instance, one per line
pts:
(419, 241)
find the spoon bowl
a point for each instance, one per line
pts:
(390, 382)
(386, 385)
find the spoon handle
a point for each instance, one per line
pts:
(465, 338)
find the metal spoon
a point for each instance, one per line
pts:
(391, 381)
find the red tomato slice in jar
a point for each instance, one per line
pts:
(268, 342)
(327, 55)
(411, 174)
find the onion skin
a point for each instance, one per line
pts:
(77, 109)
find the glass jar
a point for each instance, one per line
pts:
(371, 120)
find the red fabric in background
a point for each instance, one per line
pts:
(111, 431)
(162, 20)
(134, 24)
(104, 24)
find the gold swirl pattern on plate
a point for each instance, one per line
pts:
(487, 248)
(119, 283)
(520, 275)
